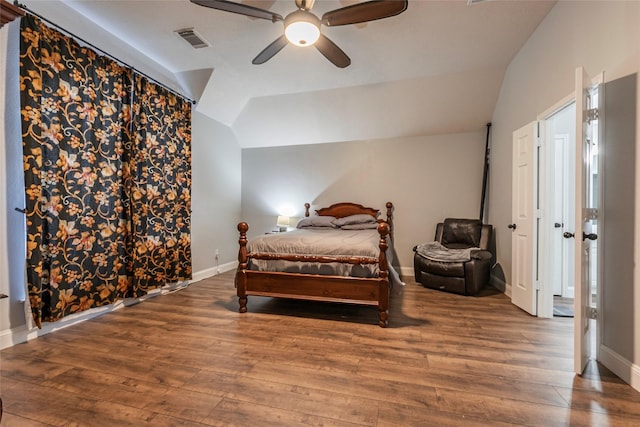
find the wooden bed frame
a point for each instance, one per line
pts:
(355, 290)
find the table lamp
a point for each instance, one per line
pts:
(283, 223)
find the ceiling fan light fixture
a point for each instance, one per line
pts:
(302, 28)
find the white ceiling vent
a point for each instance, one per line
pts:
(193, 38)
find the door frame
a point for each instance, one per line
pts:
(545, 294)
(582, 323)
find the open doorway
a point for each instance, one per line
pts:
(605, 141)
(568, 205)
(557, 201)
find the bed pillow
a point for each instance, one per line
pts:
(355, 219)
(318, 221)
(365, 226)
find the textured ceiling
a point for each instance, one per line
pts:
(436, 68)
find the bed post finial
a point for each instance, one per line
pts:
(306, 209)
(389, 206)
(241, 273)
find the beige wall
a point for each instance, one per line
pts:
(600, 36)
(617, 214)
(427, 178)
(215, 194)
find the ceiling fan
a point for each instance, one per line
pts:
(302, 28)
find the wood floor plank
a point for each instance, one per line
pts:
(288, 397)
(60, 408)
(481, 384)
(394, 415)
(184, 404)
(549, 375)
(622, 404)
(503, 410)
(234, 413)
(10, 420)
(350, 385)
(188, 358)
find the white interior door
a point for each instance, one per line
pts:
(586, 216)
(556, 215)
(568, 211)
(523, 227)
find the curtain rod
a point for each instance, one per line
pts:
(135, 70)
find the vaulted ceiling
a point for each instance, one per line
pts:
(436, 68)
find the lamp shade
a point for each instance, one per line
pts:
(283, 221)
(302, 28)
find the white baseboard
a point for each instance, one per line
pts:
(500, 284)
(11, 337)
(213, 271)
(626, 370)
(635, 377)
(507, 290)
(406, 271)
(20, 334)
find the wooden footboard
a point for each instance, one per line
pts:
(355, 290)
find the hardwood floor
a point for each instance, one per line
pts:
(190, 359)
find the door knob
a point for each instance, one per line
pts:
(567, 235)
(511, 226)
(590, 236)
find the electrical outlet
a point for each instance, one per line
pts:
(217, 253)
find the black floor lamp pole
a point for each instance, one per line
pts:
(485, 173)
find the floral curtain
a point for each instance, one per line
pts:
(84, 174)
(160, 185)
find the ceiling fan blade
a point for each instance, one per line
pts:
(269, 51)
(305, 4)
(332, 52)
(364, 12)
(242, 9)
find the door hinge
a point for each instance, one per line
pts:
(590, 214)
(592, 313)
(538, 285)
(538, 213)
(590, 115)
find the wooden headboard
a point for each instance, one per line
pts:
(340, 210)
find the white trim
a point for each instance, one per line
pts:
(11, 337)
(635, 376)
(213, 271)
(557, 107)
(22, 334)
(507, 289)
(499, 284)
(626, 370)
(407, 271)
